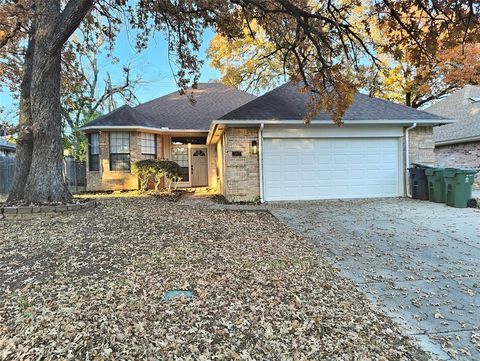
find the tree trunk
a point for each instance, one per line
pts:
(23, 156)
(45, 182)
(408, 99)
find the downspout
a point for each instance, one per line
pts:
(407, 157)
(260, 159)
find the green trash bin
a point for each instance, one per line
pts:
(436, 184)
(458, 186)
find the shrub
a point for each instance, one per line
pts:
(145, 169)
(172, 172)
(157, 169)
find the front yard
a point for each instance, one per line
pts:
(90, 285)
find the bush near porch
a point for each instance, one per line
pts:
(157, 170)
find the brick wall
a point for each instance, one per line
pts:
(460, 155)
(241, 180)
(422, 145)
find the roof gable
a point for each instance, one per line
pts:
(288, 103)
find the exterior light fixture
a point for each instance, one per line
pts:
(254, 147)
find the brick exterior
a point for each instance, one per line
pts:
(460, 155)
(422, 145)
(241, 179)
(105, 179)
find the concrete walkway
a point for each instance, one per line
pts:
(419, 261)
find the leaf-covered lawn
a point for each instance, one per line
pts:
(89, 286)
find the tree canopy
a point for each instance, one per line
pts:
(412, 64)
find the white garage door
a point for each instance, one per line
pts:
(305, 169)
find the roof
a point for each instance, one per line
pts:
(124, 116)
(176, 111)
(212, 100)
(4, 144)
(463, 106)
(288, 103)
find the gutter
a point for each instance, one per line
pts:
(407, 157)
(134, 127)
(260, 159)
(458, 140)
(330, 122)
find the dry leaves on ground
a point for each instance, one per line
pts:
(89, 286)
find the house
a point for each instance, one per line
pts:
(458, 144)
(7, 149)
(252, 148)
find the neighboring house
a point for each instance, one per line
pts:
(7, 149)
(259, 148)
(458, 144)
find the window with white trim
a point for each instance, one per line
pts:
(120, 151)
(180, 156)
(94, 152)
(148, 145)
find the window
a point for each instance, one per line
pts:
(189, 140)
(149, 146)
(120, 151)
(180, 156)
(93, 152)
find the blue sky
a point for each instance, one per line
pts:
(151, 65)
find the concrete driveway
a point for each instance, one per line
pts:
(419, 261)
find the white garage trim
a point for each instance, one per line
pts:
(332, 131)
(345, 159)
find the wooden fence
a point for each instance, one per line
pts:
(7, 169)
(75, 174)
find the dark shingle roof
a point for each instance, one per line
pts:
(287, 103)
(6, 145)
(212, 100)
(175, 111)
(463, 106)
(126, 116)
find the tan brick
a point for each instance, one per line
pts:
(241, 180)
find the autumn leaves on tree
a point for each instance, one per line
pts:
(331, 47)
(414, 63)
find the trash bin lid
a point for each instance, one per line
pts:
(450, 172)
(432, 170)
(418, 165)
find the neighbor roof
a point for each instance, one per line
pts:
(463, 106)
(4, 144)
(176, 111)
(288, 103)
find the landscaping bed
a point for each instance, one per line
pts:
(91, 285)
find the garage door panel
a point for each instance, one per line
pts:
(303, 169)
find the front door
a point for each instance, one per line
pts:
(199, 167)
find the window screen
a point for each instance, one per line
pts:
(94, 152)
(120, 151)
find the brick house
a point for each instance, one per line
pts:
(250, 148)
(458, 144)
